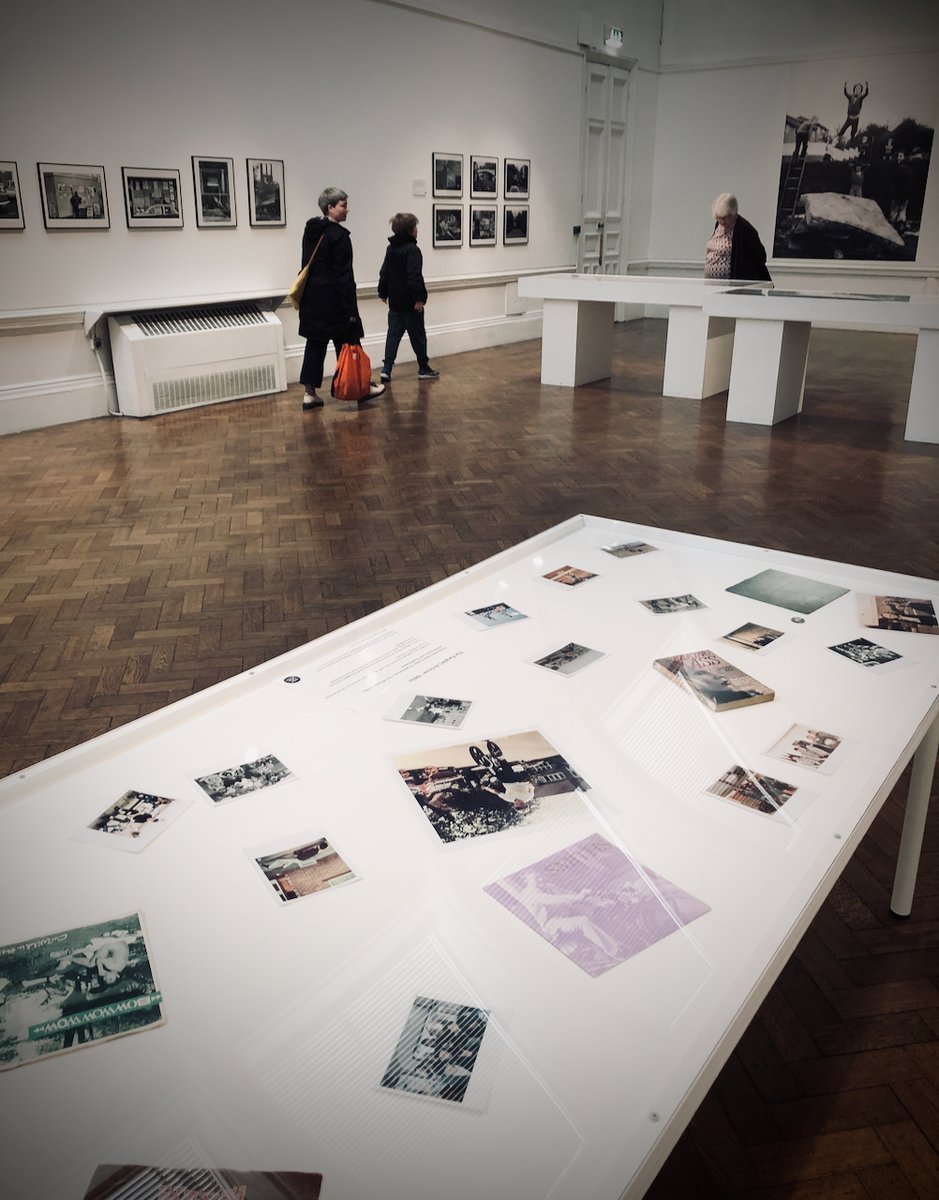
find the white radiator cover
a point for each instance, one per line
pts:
(169, 359)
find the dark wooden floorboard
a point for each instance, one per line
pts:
(141, 561)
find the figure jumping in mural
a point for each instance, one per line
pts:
(855, 99)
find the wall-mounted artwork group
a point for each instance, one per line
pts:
(856, 147)
(484, 220)
(74, 196)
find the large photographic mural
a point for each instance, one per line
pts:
(856, 147)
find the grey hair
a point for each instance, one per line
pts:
(329, 196)
(724, 205)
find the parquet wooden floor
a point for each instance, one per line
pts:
(143, 560)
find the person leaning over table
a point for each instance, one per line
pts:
(329, 310)
(734, 249)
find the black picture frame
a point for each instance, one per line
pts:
(152, 197)
(447, 175)
(515, 225)
(11, 197)
(213, 179)
(267, 204)
(483, 225)
(516, 183)
(74, 197)
(448, 225)
(484, 177)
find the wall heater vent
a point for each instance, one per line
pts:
(177, 358)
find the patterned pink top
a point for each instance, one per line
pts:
(717, 255)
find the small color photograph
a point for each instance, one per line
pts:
(569, 576)
(807, 747)
(302, 869)
(753, 790)
(752, 636)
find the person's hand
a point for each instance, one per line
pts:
(418, 306)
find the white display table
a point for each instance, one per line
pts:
(771, 344)
(577, 332)
(281, 1018)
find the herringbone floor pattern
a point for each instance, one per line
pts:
(143, 560)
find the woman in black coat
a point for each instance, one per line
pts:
(329, 311)
(734, 249)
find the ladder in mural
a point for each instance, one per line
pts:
(792, 186)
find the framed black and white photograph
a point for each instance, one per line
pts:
(515, 225)
(448, 224)
(214, 182)
(517, 176)
(448, 175)
(484, 177)
(73, 196)
(484, 225)
(11, 198)
(266, 192)
(152, 198)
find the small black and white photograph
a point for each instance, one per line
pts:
(232, 782)
(785, 590)
(214, 183)
(133, 821)
(569, 576)
(448, 225)
(448, 175)
(11, 198)
(515, 225)
(903, 614)
(752, 636)
(484, 177)
(152, 198)
(672, 604)
(629, 549)
(437, 1051)
(74, 196)
(301, 866)
(443, 711)
(856, 148)
(568, 659)
(751, 789)
(266, 206)
(489, 785)
(517, 179)
(484, 225)
(491, 615)
(806, 747)
(868, 654)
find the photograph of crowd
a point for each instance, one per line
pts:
(805, 747)
(752, 790)
(232, 782)
(866, 653)
(437, 1050)
(132, 822)
(672, 604)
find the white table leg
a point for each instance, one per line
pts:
(767, 375)
(922, 418)
(697, 353)
(576, 341)
(914, 822)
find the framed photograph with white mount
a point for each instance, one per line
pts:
(266, 205)
(516, 185)
(448, 175)
(152, 198)
(213, 179)
(11, 198)
(515, 225)
(484, 225)
(448, 224)
(484, 177)
(73, 196)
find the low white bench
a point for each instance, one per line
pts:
(771, 344)
(577, 332)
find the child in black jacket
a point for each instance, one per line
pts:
(401, 286)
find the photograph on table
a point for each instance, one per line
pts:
(231, 782)
(484, 177)
(811, 748)
(214, 183)
(11, 198)
(113, 1181)
(718, 684)
(753, 636)
(152, 198)
(447, 175)
(788, 591)
(73, 196)
(492, 615)
(301, 866)
(76, 988)
(865, 653)
(515, 225)
(266, 205)
(672, 604)
(857, 139)
(629, 549)
(751, 789)
(903, 614)
(484, 225)
(444, 712)
(437, 1052)
(595, 904)
(448, 225)
(507, 781)
(568, 659)
(133, 821)
(569, 576)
